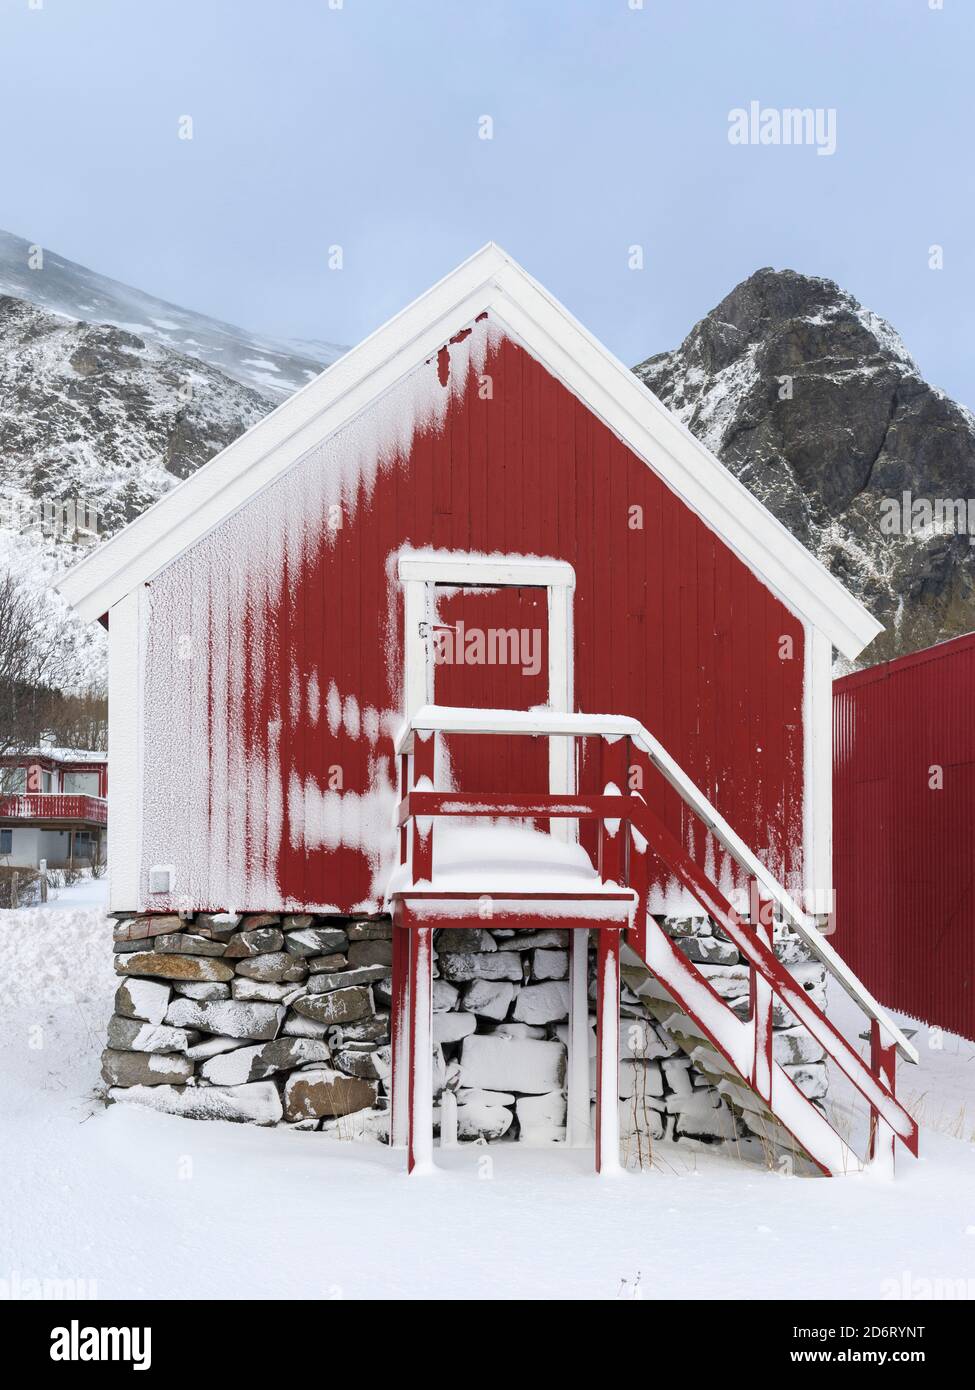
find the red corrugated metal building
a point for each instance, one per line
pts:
(904, 831)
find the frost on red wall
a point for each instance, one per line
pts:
(903, 811)
(274, 646)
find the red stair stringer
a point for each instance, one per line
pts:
(733, 1037)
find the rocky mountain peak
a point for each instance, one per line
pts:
(814, 402)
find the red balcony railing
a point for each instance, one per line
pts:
(52, 806)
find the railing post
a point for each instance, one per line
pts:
(424, 754)
(883, 1065)
(615, 761)
(578, 1121)
(399, 1031)
(404, 789)
(607, 1049)
(760, 998)
(420, 1143)
(638, 878)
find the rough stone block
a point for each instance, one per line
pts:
(325, 1091)
(483, 1121)
(370, 953)
(452, 1027)
(246, 944)
(342, 979)
(256, 1063)
(339, 1006)
(187, 944)
(454, 940)
(461, 966)
(144, 1068)
(173, 967)
(316, 941)
(205, 990)
(145, 999)
(512, 1064)
(381, 930)
(273, 967)
(257, 1104)
(550, 965)
(547, 1003)
(132, 1035)
(232, 1018)
(490, 998)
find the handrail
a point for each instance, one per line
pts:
(552, 723)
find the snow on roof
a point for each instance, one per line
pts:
(489, 282)
(60, 755)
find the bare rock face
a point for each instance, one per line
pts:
(814, 403)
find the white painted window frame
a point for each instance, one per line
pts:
(420, 574)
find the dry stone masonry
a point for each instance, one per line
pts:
(284, 1019)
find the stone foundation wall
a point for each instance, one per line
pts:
(271, 1019)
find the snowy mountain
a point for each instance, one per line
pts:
(816, 405)
(273, 367)
(811, 400)
(96, 422)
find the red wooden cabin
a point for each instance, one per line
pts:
(402, 600)
(904, 807)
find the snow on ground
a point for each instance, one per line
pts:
(138, 1204)
(87, 892)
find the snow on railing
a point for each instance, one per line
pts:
(550, 723)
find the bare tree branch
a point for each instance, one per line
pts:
(28, 666)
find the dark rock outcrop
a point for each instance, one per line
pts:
(815, 404)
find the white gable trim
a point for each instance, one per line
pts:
(489, 281)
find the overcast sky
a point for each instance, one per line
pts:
(358, 126)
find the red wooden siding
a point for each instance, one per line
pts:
(903, 848)
(253, 628)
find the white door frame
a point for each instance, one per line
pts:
(421, 572)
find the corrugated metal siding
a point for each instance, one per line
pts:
(669, 626)
(904, 850)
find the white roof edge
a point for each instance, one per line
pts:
(488, 280)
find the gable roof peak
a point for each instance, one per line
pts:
(488, 281)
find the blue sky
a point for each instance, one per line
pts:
(358, 126)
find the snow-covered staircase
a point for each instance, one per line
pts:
(735, 1052)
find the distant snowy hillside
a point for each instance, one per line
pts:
(816, 405)
(108, 397)
(271, 366)
(102, 421)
